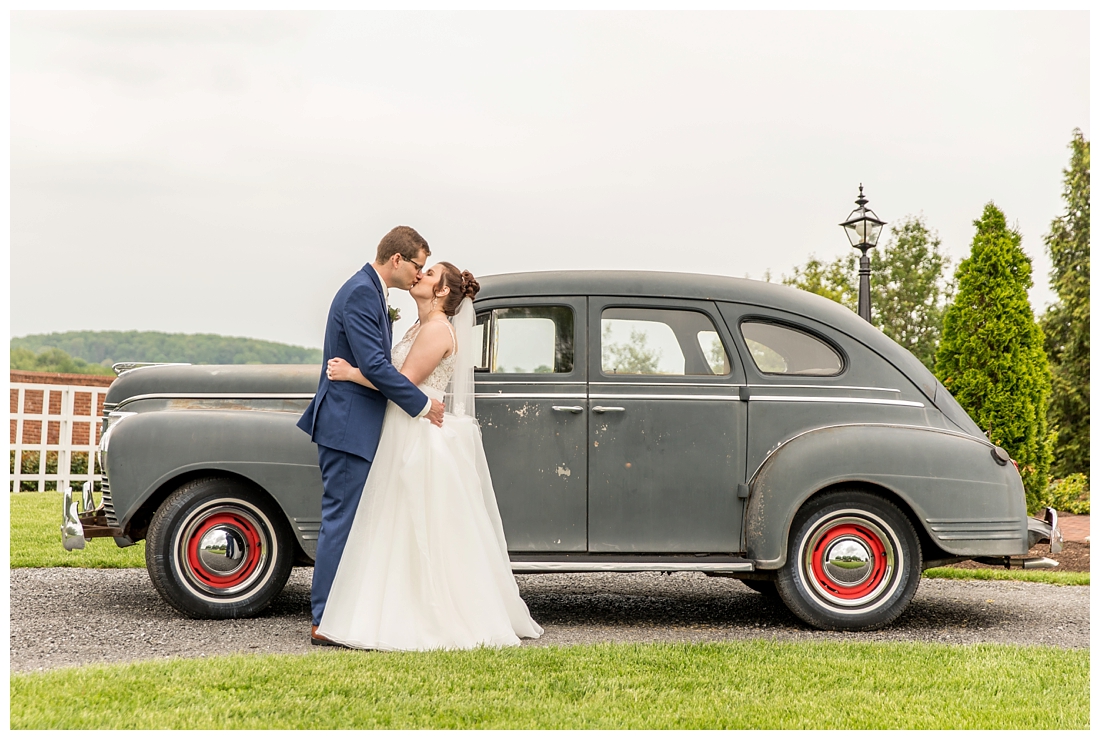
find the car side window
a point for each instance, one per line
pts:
(653, 341)
(783, 350)
(528, 339)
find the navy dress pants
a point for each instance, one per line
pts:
(343, 475)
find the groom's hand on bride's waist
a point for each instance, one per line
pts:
(435, 413)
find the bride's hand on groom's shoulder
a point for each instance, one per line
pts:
(339, 369)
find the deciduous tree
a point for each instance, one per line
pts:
(910, 285)
(835, 280)
(910, 288)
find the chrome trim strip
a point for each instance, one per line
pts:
(154, 396)
(838, 399)
(529, 382)
(673, 385)
(980, 536)
(753, 385)
(803, 399)
(784, 443)
(531, 395)
(595, 567)
(659, 397)
(832, 387)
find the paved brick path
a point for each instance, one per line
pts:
(1075, 527)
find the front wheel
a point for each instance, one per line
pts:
(215, 550)
(853, 562)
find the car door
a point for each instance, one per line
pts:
(531, 403)
(666, 428)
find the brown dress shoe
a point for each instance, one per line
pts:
(316, 638)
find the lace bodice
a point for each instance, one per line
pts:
(443, 371)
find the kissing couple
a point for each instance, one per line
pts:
(411, 553)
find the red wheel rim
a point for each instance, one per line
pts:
(252, 547)
(868, 539)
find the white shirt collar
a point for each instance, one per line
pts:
(385, 288)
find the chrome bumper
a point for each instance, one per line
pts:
(1045, 530)
(72, 531)
(81, 524)
(1038, 531)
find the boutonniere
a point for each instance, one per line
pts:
(395, 315)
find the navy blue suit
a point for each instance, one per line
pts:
(345, 418)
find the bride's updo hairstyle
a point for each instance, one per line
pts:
(462, 284)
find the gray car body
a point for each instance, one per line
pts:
(714, 466)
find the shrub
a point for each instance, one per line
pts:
(1069, 494)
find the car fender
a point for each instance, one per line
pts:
(149, 450)
(962, 497)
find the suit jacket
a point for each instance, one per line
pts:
(344, 415)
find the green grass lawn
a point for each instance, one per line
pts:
(755, 684)
(1058, 578)
(36, 538)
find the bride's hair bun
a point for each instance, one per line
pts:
(470, 285)
(461, 284)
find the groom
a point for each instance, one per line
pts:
(345, 419)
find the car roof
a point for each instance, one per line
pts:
(713, 288)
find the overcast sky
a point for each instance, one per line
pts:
(226, 172)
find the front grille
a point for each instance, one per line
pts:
(108, 505)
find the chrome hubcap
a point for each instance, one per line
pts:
(223, 550)
(848, 561)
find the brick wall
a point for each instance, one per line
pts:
(82, 402)
(96, 381)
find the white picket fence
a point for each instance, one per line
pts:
(65, 445)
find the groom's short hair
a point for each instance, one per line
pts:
(402, 240)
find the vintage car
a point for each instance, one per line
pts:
(632, 421)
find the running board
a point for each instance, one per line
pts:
(630, 566)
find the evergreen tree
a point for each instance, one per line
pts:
(1066, 323)
(909, 288)
(991, 356)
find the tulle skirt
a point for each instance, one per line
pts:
(426, 564)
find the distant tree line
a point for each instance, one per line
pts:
(95, 351)
(53, 360)
(1024, 381)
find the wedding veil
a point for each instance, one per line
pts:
(459, 399)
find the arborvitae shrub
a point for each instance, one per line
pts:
(991, 355)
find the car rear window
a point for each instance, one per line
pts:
(784, 350)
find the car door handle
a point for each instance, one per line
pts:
(605, 409)
(570, 409)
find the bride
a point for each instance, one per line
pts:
(426, 564)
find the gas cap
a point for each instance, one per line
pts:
(1000, 456)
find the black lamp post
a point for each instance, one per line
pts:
(863, 229)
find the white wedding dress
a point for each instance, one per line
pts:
(426, 564)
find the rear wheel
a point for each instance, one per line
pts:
(853, 562)
(215, 550)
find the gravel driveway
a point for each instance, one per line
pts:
(68, 616)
